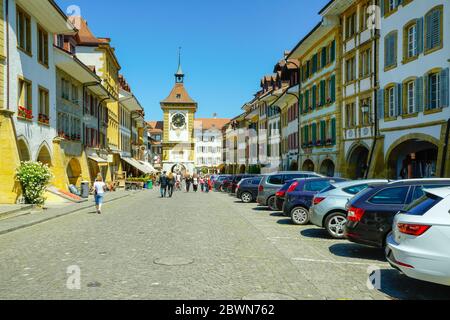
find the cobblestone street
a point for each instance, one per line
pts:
(193, 246)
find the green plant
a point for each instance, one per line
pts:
(34, 177)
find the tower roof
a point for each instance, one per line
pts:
(179, 95)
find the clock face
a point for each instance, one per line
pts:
(179, 120)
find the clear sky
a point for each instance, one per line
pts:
(227, 45)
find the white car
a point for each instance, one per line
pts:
(419, 244)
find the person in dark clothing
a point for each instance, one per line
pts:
(188, 183)
(170, 183)
(163, 184)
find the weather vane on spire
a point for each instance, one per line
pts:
(179, 76)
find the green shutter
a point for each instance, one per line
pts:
(323, 134)
(333, 130)
(333, 51)
(444, 88)
(429, 36)
(314, 133)
(314, 97)
(399, 98)
(322, 92)
(314, 64)
(307, 101)
(427, 92)
(300, 103)
(380, 104)
(419, 35)
(324, 57)
(333, 88)
(307, 134)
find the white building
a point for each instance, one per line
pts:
(413, 99)
(31, 29)
(209, 144)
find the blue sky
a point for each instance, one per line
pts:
(227, 45)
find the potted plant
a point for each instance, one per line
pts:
(34, 178)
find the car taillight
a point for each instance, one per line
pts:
(413, 229)
(318, 200)
(293, 187)
(281, 193)
(355, 214)
(260, 188)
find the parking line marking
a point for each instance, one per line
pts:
(339, 262)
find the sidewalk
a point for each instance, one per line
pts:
(29, 217)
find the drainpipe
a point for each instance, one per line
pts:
(7, 55)
(376, 133)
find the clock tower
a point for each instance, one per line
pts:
(178, 141)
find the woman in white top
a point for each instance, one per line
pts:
(99, 189)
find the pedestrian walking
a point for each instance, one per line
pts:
(195, 182)
(188, 183)
(163, 183)
(99, 191)
(207, 184)
(170, 184)
(202, 184)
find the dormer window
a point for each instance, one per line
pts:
(178, 96)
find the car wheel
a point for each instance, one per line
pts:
(300, 216)
(271, 203)
(246, 197)
(335, 225)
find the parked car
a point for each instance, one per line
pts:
(225, 183)
(247, 189)
(371, 213)
(231, 188)
(281, 194)
(271, 183)
(218, 182)
(418, 245)
(329, 206)
(300, 195)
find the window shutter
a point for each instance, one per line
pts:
(426, 92)
(436, 28)
(399, 99)
(380, 104)
(419, 94)
(333, 51)
(300, 100)
(307, 101)
(444, 88)
(387, 51)
(314, 66)
(429, 38)
(333, 130)
(307, 134)
(333, 88)
(324, 57)
(323, 137)
(322, 92)
(419, 35)
(314, 97)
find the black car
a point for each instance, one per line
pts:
(231, 188)
(219, 181)
(371, 213)
(247, 189)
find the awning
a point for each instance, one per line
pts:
(136, 164)
(148, 165)
(100, 161)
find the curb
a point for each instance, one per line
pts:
(25, 208)
(26, 225)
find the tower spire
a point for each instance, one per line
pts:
(179, 76)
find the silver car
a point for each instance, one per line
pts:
(328, 209)
(271, 183)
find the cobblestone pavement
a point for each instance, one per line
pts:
(193, 246)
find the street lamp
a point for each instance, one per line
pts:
(366, 110)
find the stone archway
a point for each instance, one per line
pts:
(357, 162)
(308, 165)
(413, 158)
(179, 168)
(74, 172)
(24, 151)
(44, 156)
(327, 168)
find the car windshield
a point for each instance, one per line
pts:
(422, 205)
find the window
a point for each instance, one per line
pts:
(315, 186)
(390, 196)
(65, 89)
(43, 106)
(365, 115)
(389, 6)
(276, 179)
(350, 26)
(74, 94)
(412, 44)
(411, 97)
(356, 189)
(350, 115)
(350, 69)
(23, 26)
(366, 63)
(364, 17)
(390, 99)
(423, 204)
(25, 99)
(390, 50)
(434, 94)
(42, 46)
(433, 29)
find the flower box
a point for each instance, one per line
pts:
(43, 119)
(319, 143)
(329, 142)
(25, 113)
